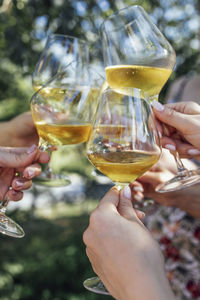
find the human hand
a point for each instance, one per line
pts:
(187, 199)
(19, 132)
(180, 127)
(122, 251)
(21, 161)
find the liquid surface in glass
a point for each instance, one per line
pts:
(148, 79)
(63, 134)
(123, 167)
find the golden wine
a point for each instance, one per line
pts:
(63, 134)
(123, 167)
(148, 79)
(54, 93)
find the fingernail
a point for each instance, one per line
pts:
(31, 149)
(19, 183)
(193, 152)
(157, 105)
(138, 198)
(31, 173)
(170, 147)
(138, 189)
(127, 192)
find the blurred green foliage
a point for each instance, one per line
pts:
(50, 262)
(25, 24)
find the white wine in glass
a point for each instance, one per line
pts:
(123, 143)
(60, 50)
(136, 54)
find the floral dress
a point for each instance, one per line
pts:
(179, 237)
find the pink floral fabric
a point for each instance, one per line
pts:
(179, 237)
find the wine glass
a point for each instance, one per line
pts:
(123, 143)
(7, 225)
(59, 52)
(137, 54)
(63, 115)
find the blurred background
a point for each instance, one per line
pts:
(50, 261)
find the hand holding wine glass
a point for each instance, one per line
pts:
(128, 258)
(123, 143)
(181, 122)
(17, 167)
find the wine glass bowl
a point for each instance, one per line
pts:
(60, 50)
(136, 54)
(123, 143)
(62, 122)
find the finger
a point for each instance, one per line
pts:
(140, 214)
(125, 206)
(137, 191)
(155, 178)
(112, 196)
(191, 108)
(168, 143)
(32, 171)
(43, 157)
(14, 195)
(159, 127)
(185, 149)
(17, 157)
(20, 183)
(6, 176)
(170, 116)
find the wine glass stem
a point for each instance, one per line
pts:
(3, 205)
(46, 147)
(181, 168)
(120, 186)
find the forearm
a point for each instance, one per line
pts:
(150, 285)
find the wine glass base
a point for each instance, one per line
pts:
(179, 182)
(95, 285)
(10, 227)
(53, 180)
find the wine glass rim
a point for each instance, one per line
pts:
(118, 12)
(57, 35)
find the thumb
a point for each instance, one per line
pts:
(17, 157)
(170, 116)
(125, 206)
(111, 197)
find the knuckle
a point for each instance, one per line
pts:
(86, 237)
(95, 218)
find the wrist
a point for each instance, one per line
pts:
(152, 284)
(148, 279)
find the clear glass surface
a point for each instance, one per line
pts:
(59, 52)
(136, 54)
(64, 108)
(123, 143)
(7, 225)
